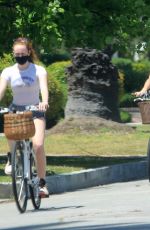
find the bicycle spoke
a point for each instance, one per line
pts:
(21, 189)
(19, 182)
(34, 187)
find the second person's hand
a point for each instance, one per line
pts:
(139, 93)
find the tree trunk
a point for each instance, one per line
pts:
(92, 85)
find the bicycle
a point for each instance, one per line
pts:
(25, 182)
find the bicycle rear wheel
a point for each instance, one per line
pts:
(34, 187)
(148, 159)
(19, 183)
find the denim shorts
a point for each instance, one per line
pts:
(35, 114)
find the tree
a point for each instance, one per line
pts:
(34, 19)
(84, 23)
(99, 24)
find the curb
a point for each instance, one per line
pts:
(88, 178)
(98, 176)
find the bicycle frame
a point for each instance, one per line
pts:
(26, 156)
(27, 152)
(25, 181)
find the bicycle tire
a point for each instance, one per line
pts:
(148, 159)
(34, 187)
(19, 183)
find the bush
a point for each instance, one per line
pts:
(57, 75)
(120, 85)
(132, 76)
(5, 61)
(7, 99)
(125, 67)
(124, 64)
(48, 59)
(140, 74)
(57, 70)
(56, 102)
(127, 101)
(135, 73)
(125, 116)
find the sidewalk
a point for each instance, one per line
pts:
(88, 178)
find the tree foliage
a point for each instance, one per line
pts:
(96, 24)
(34, 19)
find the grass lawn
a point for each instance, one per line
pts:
(68, 152)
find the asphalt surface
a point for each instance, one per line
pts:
(118, 206)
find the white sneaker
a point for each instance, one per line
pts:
(8, 166)
(43, 191)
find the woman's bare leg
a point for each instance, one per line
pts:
(38, 145)
(10, 144)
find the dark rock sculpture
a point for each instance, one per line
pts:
(92, 85)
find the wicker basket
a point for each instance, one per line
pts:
(144, 107)
(19, 126)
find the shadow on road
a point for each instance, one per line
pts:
(54, 209)
(62, 226)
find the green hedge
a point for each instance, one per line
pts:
(133, 76)
(135, 73)
(127, 100)
(48, 59)
(5, 61)
(141, 71)
(58, 71)
(57, 90)
(56, 102)
(125, 116)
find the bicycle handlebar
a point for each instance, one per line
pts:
(27, 108)
(32, 108)
(138, 99)
(4, 110)
(144, 97)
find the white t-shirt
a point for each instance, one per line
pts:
(24, 83)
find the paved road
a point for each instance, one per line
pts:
(117, 207)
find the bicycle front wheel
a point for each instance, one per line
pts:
(19, 183)
(34, 187)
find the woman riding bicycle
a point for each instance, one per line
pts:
(28, 80)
